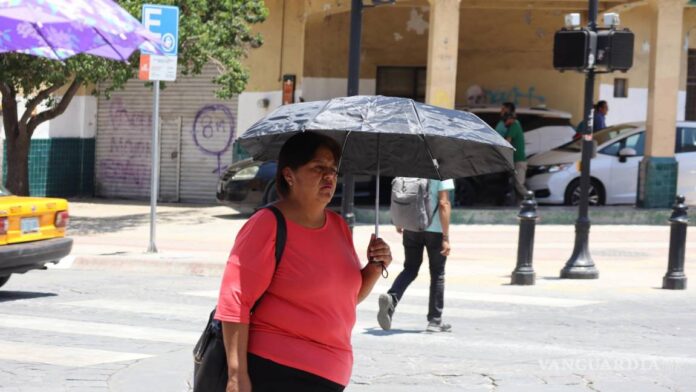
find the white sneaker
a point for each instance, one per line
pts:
(386, 310)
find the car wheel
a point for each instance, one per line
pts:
(597, 196)
(464, 193)
(4, 279)
(271, 194)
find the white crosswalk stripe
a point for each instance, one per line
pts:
(62, 356)
(178, 311)
(11, 321)
(423, 310)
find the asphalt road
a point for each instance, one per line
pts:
(78, 330)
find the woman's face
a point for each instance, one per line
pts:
(316, 180)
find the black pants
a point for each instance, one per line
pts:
(414, 242)
(269, 376)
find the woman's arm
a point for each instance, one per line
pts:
(378, 250)
(236, 337)
(370, 276)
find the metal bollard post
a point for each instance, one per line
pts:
(524, 273)
(674, 278)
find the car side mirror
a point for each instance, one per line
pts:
(627, 152)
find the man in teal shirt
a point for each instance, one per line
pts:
(435, 240)
(509, 128)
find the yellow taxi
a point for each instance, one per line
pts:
(32, 233)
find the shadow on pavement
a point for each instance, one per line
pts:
(239, 215)
(7, 296)
(381, 332)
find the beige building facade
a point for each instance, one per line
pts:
(504, 53)
(459, 53)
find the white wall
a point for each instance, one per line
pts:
(79, 120)
(635, 106)
(250, 108)
(317, 89)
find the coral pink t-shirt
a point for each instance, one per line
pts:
(307, 314)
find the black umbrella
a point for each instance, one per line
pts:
(388, 136)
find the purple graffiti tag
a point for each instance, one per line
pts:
(123, 171)
(213, 131)
(122, 118)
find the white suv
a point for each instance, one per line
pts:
(544, 129)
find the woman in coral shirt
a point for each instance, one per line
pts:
(298, 338)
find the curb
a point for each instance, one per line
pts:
(547, 215)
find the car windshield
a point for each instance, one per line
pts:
(4, 192)
(601, 137)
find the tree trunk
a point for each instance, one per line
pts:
(18, 164)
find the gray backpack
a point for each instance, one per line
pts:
(411, 206)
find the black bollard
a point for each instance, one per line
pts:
(675, 278)
(524, 273)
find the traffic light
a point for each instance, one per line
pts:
(614, 50)
(574, 49)
(606, 50)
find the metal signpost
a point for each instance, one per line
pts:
(163, 21)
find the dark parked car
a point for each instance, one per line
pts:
(247, 185)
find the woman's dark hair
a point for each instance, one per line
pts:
(298, 151)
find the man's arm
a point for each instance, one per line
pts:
(444, 210)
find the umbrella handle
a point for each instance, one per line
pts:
(377, 193)
(385, 273)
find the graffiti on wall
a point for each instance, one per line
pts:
(213, 132)
(128, 151)
(129, 148)
(476, 96)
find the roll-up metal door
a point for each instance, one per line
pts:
(196, 134)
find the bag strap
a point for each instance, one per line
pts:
(281, 237)
(437, 202)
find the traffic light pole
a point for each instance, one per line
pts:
(580, 265)
(347, 203)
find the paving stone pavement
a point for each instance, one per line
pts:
(112, 318)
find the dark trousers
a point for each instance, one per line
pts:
(269, 376)
(414, 242)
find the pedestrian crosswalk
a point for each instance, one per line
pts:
(103, 329)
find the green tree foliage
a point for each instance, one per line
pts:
(216, 31)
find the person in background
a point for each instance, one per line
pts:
(298, 337)
(435, 240)
(511, 129)
(600, 113)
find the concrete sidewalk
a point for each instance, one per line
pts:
(196, 239)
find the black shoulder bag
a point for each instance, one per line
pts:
(209, 356)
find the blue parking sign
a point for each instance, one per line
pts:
(163, 21)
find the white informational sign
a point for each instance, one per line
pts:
(162, 21)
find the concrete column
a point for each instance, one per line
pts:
(657, 180)
(282, 53)
(443, 45)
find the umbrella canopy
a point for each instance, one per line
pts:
(388, 136)
(59, 29)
